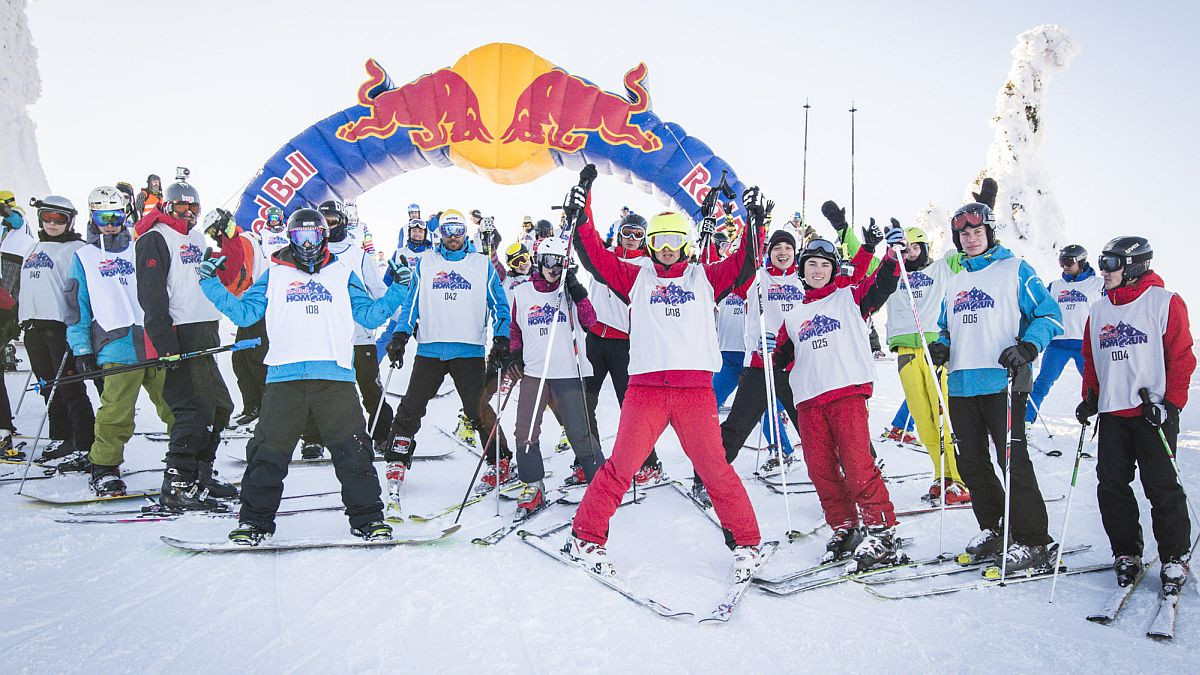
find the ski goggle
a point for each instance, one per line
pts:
(275, 217)
(966, 219)
(551, 260)
(821, 246)
(453, 229)
(1110, 263)
(674, 241)
(108, 218)
(633, 232)
(56, 217)
(180, 208)
(307, 237)
(1067, 261)
(519, 260)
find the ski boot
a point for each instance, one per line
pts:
(395, 481)
(956, 493)
(892, 434)
(592, 557)
(465, 431)
(1021, 557)
(746, 562)
(700, 494)
(376, 530)
(217, 488)
(106, 481)
(842, 543)
(649, 475)
(11, 362)
(248, 534)
(771, 466)
(9, 453)
(56, 450)
(182, 492)
(1127, 567)
(934, 494)
(577, 477)
(531, 499)
(909, 438)
(983, 546)
(496, 474)
(880, 547)
(312, 451)
(76, 462)
(563, 444)
(248, 415)
(1174, 574)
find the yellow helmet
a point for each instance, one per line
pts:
(669, 224)
(916, 234)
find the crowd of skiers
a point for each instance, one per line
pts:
(678, 317)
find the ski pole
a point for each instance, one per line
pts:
(852, 111)
(1013, 390)
(387, 382)
(1062, 538)
(1144, 393)
(483, 453)
(23, 392)
(804, 170)
(1037, 411)
(150, 363)
(49, 401)
(499, 382)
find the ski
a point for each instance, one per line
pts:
(303, 544)
(1116, 600)
(155, 508)
(163, 515)
(707, 509)
(496, 536)
(473, 499)
(432, 453)
(846, 573)
(933, 508)
(1163, 625)
(612, 582)
(808, 488)
(737, 590)
(164, 437)
(898, 478)
(1015, 578)
(961, 564)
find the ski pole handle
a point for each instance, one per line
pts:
(249, 343)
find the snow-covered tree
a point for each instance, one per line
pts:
(20, 168)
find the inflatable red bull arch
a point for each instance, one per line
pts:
(500, 111)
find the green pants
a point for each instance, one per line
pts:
(114, 419)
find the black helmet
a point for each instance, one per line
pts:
(819, 248)
(1072, 253)
(180, 192)
(333, 207)
(973, 215)
(1130, 254)
(543, 229)
(308, 250)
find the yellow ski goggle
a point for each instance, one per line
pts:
(666, 240)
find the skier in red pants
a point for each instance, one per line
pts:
(833, 369)
(673, 354)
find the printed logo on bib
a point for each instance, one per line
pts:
(117, 267)
(542, 316)
(816, 327)
(785, 293)
(1121, 335)
(971, 301)
(38, 261)
(919, 282)
(310, 293)
(734, 301)
(1070, 296)
(671, 295)
(190, 254)
(450, 281)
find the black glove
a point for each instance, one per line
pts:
(575, 201)
(836, 216)
(987, 193)
(753, 200)
(499, 349)
(1087, 408)
(574, 288)
(395, 348)
(768, 207)
(784, 354)
(872, 235)
(707, 226)
(1018, 355)
(514, 365)
(1163, 414)
(86, 363)
(939, 353)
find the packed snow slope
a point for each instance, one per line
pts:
(102, 598)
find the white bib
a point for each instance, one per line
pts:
(928, 289)
(186, 302)
(611, 310)
(1075, 299)
(533, 310)
(112, 287)
(309, 317)
(350, 254)
(452, 300)
(42, 277)
(731, 324)
(1127, 348)
(270, 243)
(671, 323)
(832, 346)
(781, 296)
(983, 314)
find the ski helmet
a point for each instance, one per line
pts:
(182, 193)
(308, 234)
(543, 229)
(527, 223)
(54, 204)
(516, 254)
(477, 214)
(107, 206)
(127, 189)
(550, 252)
(670, 230)
(451, 224)
(417, 222)
(1130, 254)
(974, 215)
(819, 248)
(334, 210)
(414, 207)
(915, 235)
(1071, 254)
(7, 197)
(275, 220)
(632, 226)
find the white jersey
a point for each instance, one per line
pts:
(671, 323)
(610, 309)
(350, 254)
(1127, 348)
(452, 300)
(1075, 299)
(832, 346)
(186, 302)
(928, 290)
(270, 243)
(309, 316)
(782, 294)
(983, 314)
(43, 275)
(112, 287)
(731, 324)
(534, 312)
(13, 249)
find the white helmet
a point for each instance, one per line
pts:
(550, 246)
(105, 198)
(55, 204)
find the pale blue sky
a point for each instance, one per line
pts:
(135, 87)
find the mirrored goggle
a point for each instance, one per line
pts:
(551, 260)
(666, 240)
(306, 237)
(1111, 263)
(821, 245)
(632, 232)
(453, 229)
(108, 218)
(518, 260)
(966, 219)
(57, 217)
(275, 217)
(184, 207)
(1067, 261)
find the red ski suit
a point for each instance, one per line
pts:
(683, 399)
(834, 431)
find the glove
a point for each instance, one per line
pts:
(86, 363)
(939, 353)
(770, 206)
(209, 266)
(836, 216)
(170, 361)
(1018, 355)
(514, 365)
(219, 222)
(895, 234)
(400, 269)
(708, 226)
(395, 348)
(499, 349)
(753, 200)
(1163, 414)
(872, 235)
(14, 221)
(768, 344)
(987, 193)
(574, 288)
(575, 201)
(1087, 408)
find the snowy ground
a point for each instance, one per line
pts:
(113, 598)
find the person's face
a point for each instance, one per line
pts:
(413, 215)
(476, 219)
(668, 256)
(185, 211)
(527, 226)
(416, 235)
(973, 239)
(155, 185)
(913, 251)
(522, 267)
(817, 272)
(552, 274)
(631, 237)
(1073, 268)
(454, 243)
(332, 222)
(1112, 279)
(55, 224)
(782, 255)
